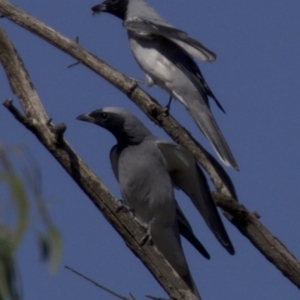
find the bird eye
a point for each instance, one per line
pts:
(104, 116)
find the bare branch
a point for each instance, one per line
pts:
(246, 222)
(129, 87)
(123, 222)
(249, 225)
(99, 285)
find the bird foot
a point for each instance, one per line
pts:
(167, 108)
(165, 111)
(147, 238)
(136, 80)
(123, 207)
(256, 214)
(76, 62)
(133, 85)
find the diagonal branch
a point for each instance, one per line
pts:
(237, 214)
(268, 245)
(99, 285)
(152, 109)
(123, 222)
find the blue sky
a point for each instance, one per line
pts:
(255, 78)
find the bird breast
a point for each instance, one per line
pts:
(152, 62)
(146, 185)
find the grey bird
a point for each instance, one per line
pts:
(165, 53)
(147, 170)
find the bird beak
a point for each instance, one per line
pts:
(85, 117)
(99, 8)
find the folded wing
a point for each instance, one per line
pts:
(186, 230)
(145, 27)
(187, 176)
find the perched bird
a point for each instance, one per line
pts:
(147, 169)
(165, 53)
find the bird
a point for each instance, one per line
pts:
(165, 54)
(147, 170)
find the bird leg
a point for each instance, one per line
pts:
(77, 62)
(136, 80)
(124, 207)
(147, 237)
(168, 106)
(133, 85)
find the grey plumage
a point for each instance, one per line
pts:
(147, 169)
(165, 53)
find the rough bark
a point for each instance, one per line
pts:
(36, 120)
(246, 222)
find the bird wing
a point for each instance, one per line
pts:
(114, 161)
(189, 67)
(187, 175)
(146, 27)
(185, 229)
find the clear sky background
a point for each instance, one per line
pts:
(256, 78)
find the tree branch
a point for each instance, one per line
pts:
(99, 285)
(237, 214)
(268, 245)
(129, 87)
(38, 123)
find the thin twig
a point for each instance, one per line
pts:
(98, 284)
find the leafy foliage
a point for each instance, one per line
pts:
(21, 199)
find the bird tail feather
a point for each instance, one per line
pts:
(206, 122)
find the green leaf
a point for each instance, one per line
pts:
(45, 246)
(50, 246)
(8, 278)
(18, 194)
(56, 248)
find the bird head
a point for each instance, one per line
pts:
(114, 7)
(121, 123)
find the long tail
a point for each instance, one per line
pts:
(190, 282)
(167, 240)
(185, 229)
(206, 122)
